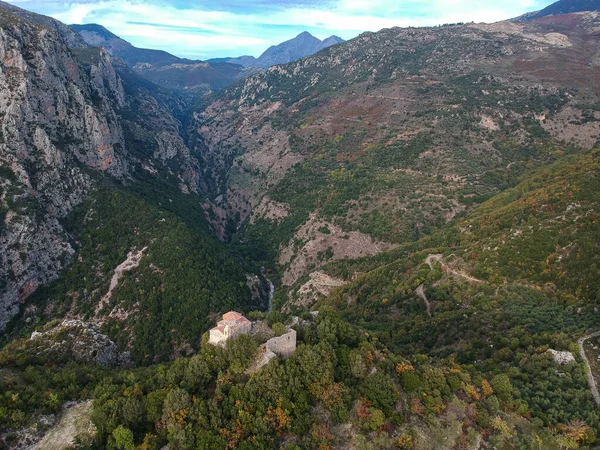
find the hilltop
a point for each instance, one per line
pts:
(563, 7)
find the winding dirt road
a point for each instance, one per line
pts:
(430, 261)
(590, 375)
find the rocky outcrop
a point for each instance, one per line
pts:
(561, 357)
(74, 340)
(319, 285)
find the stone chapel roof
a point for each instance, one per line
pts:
(233, 316)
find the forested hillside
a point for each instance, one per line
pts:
(425, 200)
(526, 259)
(376, 142)
(342, 389)
(161, 305)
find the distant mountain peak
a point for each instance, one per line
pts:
(304, 44)
(332, 40)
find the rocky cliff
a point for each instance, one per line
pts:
(67, 115)
(74, 340)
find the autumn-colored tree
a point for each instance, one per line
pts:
(404, 366)
(278, 417)
(405, 442)
(486, 388)
(472, 392)
(416, 406)
(321, 433)
(502, 427)
(578, 431)
(362, 408)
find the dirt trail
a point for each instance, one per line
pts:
(431, 260)
(590, 375)
(421, 293)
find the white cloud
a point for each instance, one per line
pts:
(201, 31)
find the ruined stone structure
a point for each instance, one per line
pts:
(284, 345)
(232, 325)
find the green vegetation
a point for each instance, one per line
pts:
(183, 276)
(441, 343)
(534, 250)
(339, 375)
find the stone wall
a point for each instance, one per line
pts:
(245, 328)
(284, 345)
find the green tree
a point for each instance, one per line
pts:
(381, 390)
(502, 387)
(279, 329)
(377, 419)
(132, 411)
(198, 373)
(153, 404)
(123, 438)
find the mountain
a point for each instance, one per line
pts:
(161, 67)
(68, 35)
(302, 45)
(97, 36)
(89, 149)
(376, 142)
(563, 7)
(246, 61)
(424, 200)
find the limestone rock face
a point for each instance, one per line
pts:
(562, 357)
(69, 114)
(49, 130)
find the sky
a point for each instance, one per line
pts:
(203, 29)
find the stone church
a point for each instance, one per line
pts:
(232, 325)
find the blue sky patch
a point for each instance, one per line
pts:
(203, 29)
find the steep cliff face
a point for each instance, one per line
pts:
(67, 113)
(50, 130)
